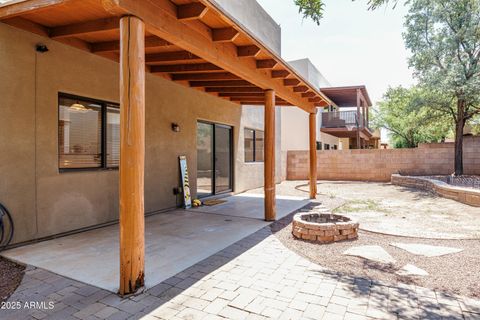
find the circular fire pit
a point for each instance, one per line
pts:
(324, 227)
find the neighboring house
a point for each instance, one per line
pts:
(336, 123)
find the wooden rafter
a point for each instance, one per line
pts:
(224, 34)
(300, 89)
(170, 56)
(111, 46)
(205, 76)
(308, 94)
(234, 89)
(183, 68)
(191, 11)
(266, 64)
(291, 82)
(248, 51)
(280, 73)
(223, 83)
(77, 29)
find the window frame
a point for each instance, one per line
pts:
(103, 138)
(254, 145)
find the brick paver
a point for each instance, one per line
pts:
(255, 278)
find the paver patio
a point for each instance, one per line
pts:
(255, 278)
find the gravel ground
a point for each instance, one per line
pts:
(385, 208)
(398, 210)
(11, 275)
(455, 273)
(460, 181)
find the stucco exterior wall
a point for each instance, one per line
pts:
(380, 164)
(295, 134)
(251, 173)
(44, 201)
(251, 15)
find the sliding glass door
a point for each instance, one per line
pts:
(214, 159)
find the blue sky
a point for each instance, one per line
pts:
(351, 46)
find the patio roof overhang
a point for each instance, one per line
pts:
(345, 97)
(191, 42)
(195, 43)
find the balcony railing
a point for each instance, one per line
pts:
(342, 119)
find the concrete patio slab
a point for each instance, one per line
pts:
(250, 205)
(174, 241)
(373, 253)
(425, 249)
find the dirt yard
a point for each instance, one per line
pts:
(385, 208)
(11, 275)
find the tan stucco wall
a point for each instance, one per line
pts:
(250, 174)
(30, 183)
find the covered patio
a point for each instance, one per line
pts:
(174, 241)
(196, 43)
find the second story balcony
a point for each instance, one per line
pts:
(342, 119)
(345, 124)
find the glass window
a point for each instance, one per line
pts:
(326, 146)
(84, 140)
(80, 134)
(113, 136)
(249, 145)
(254, 142)
(259, 146)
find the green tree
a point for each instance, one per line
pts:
(444, 39)
(313, 9)
(410, 120)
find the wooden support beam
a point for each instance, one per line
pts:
(205, 76)
(224, 83)
(313, 154)
(16, 8)
(248, 51)
(132, 154)
(169, 56)
(234, 90)
(316, 99)
(191, 11)
(27, 25)
(280, 73)
(112, 46)
(224, 34)
(269, 156)
(266, 64)
(358, 118)
(77, 29)
(309, 94)
(183, 68)
(291, 82)
(300, 89)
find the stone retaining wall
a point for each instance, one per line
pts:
(380, 164)
(443, 189)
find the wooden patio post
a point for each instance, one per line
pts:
(269, 155)
(313, 154)
(359, 146)
(132, 154)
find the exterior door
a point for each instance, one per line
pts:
(214, 159)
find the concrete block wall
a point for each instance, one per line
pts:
(380, 164)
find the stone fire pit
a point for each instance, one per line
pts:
(324, 227)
